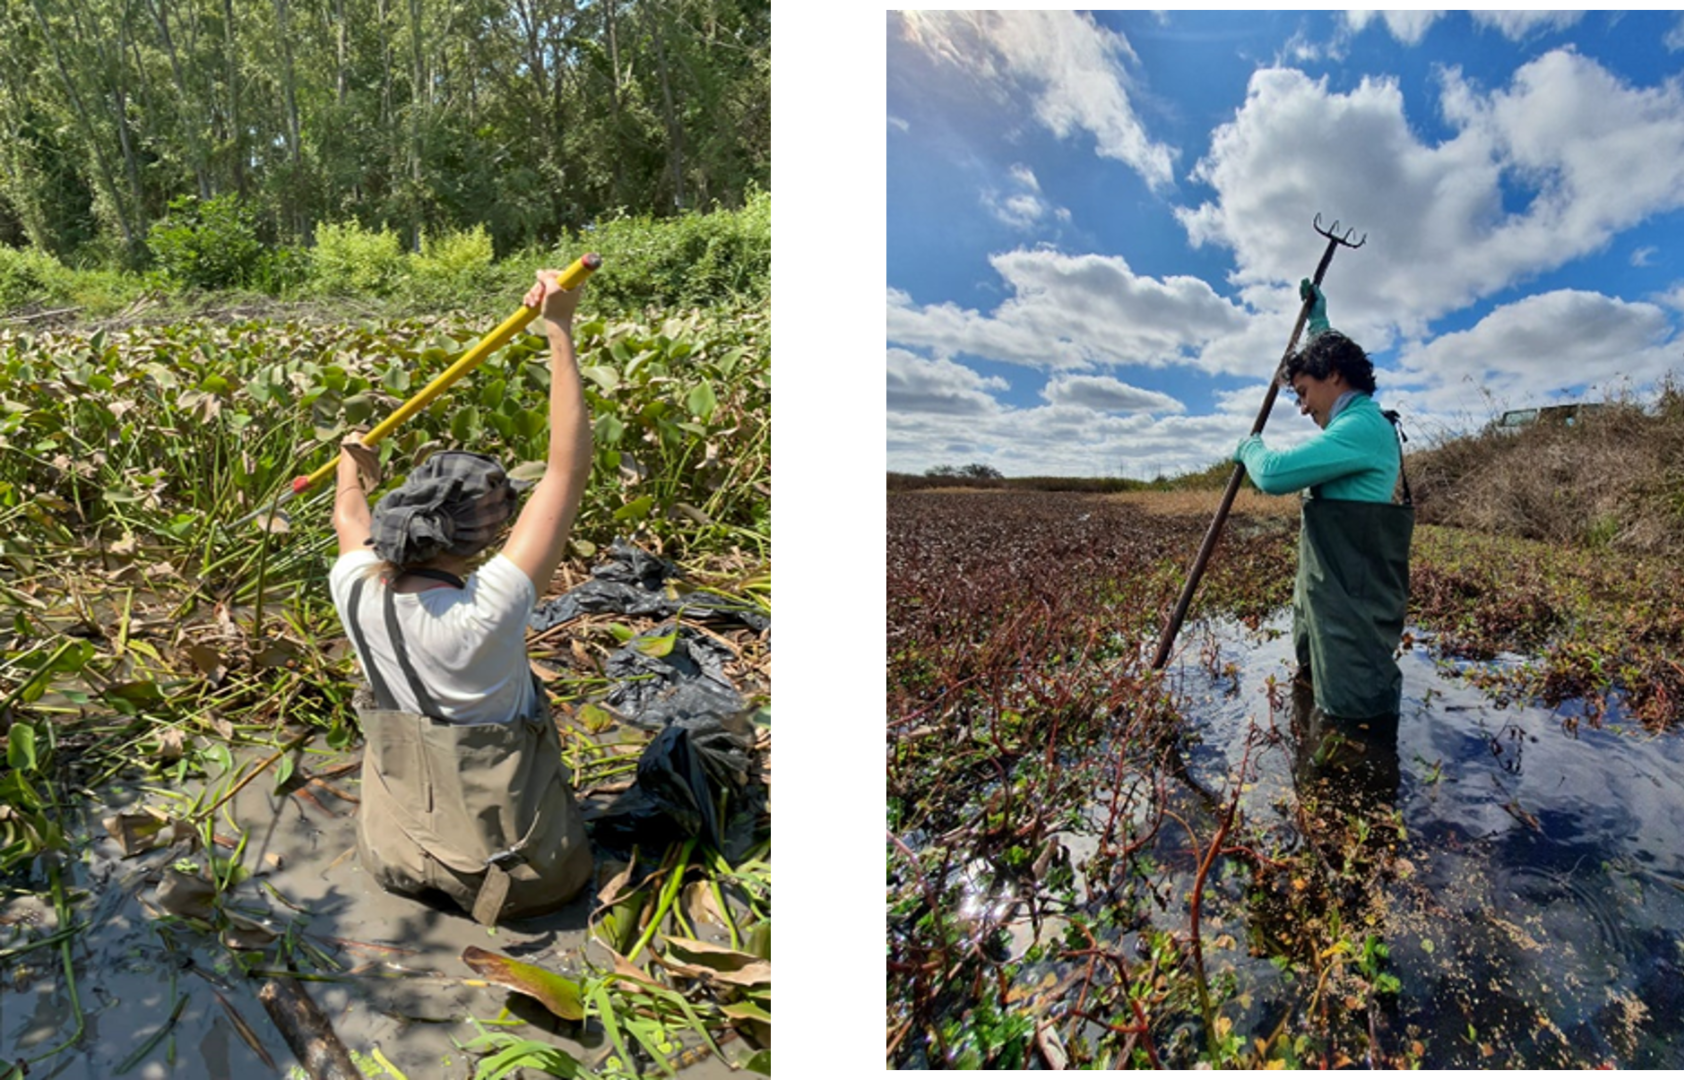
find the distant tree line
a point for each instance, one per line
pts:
(1215, 477)
(973, 471)
(526, 117)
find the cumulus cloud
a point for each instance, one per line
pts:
(1074, 312)
(1408, 27)
(1520, 25)
(1089, 426)
(1070, 67)
(917, 385)
(1102, 393)
(1550, 342)
(1589, 155)
(1065, 440)
(1674, 39)
(1673, 298)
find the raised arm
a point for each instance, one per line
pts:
(539, 538)
(351, 519)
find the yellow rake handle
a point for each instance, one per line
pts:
(570, 278)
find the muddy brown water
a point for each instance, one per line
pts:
(131, 966)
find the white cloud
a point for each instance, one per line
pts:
(897, 122)
(1644, 256)
(1024, 208)
(1022, 211)
(917, 385)
(1065, 440)
(1102, 393)
(1408, 27)
(1071, 68)
(1519, 25)
(1543, 344)
(1674, 39)
(1074, 312)
(1588, 154)
(1673, 298)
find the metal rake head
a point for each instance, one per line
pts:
(1332, 233)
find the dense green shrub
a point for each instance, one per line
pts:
(695, 260)
(455, 255)
(23, 276)
(207, 244)
(450, 265)
(660, 266)
(351, 259)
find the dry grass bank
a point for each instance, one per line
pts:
(1613, 480)
(1204, 503)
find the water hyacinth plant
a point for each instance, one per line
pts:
(163, 621)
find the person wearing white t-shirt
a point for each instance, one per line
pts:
(446, 641)
(470, 642)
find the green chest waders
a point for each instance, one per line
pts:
(1350, 600)
(480, 812)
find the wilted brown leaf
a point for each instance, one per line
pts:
(700, 960)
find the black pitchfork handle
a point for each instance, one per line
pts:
(1172, 626)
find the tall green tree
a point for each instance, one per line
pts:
(526, 116)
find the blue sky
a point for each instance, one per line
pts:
(1096, 222)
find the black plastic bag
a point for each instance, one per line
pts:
(633, 582)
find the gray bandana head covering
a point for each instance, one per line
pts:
(453, 503)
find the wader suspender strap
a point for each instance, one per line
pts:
(494, 889)
(423, 700)
(1408, 500)
(382, 693)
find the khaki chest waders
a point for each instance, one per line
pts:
(480, 812)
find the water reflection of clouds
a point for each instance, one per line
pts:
(1551, 873)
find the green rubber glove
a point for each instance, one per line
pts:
(1317, 323)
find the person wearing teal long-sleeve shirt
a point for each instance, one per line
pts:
(1352, 590)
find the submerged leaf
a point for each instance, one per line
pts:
(277, 523)
(186, 895)
(555, 993)
(209, 661)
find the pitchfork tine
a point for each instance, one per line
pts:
(1332, 233)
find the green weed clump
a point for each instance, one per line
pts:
(25, 276)
(452, 261)
(695, 260)
(352, 259)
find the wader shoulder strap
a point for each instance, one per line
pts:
(382, 693)
(1408, 500)
(423, 700)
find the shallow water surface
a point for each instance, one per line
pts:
(1537, 918)
(407, 997)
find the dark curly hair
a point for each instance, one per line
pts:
(1326, 353)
